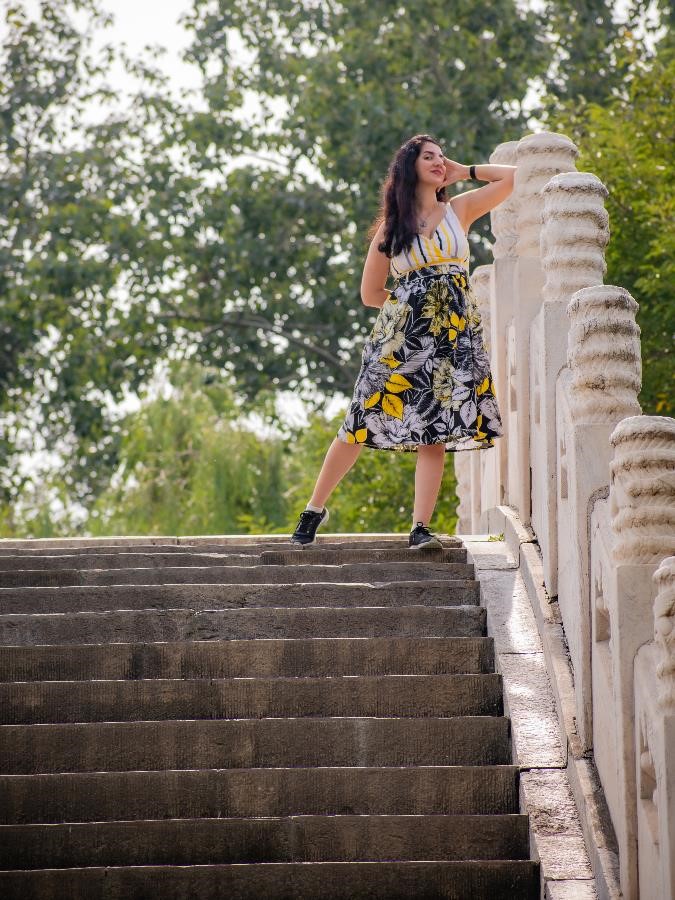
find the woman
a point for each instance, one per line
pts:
(425, 384)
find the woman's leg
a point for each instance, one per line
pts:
(339, 459)
(428, 476)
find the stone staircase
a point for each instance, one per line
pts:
(232, 718)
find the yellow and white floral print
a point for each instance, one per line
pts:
(425, 375)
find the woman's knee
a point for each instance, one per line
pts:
(431, 449)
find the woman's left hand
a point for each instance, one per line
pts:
(454, 171)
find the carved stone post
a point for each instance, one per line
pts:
(664, 635)
(597, 389)
(504, 225)
(539, 157)
(462, 465)
(574, 235)
(603, 355)
(642, 521)
(642, 496)
(655, 744)
(485, 478)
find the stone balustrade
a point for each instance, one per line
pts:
(593, 479)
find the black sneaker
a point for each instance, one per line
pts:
(422, 539)
(305, 532)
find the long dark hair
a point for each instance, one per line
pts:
(397, 197)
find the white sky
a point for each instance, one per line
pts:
(139, 23)
(155, 22)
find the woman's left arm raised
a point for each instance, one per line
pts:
(471, 205)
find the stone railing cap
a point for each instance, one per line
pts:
(639, 426)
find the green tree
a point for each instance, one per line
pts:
(187, 465)
(277, 300)
(144, 233)
(589, 65)
(85, 206)
(628, 143)
(192, 462)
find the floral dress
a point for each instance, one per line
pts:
(425, 374)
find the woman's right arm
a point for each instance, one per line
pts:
(375, 272)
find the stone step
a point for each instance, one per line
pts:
(415, 570)
(440, 880)
(222, 596)
(121, 543)
(33, 702)
(239, 658)
(197, 557)
(254, 743)
(263, 622)
(216, 793)
(255, 548)
(229, 716)
(319, 556)
(281, 839)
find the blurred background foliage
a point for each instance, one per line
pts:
(225, 250)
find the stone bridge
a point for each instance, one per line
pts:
(216, 716)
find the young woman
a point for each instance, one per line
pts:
(425, 384)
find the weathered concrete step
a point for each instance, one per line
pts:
(373, 538)
(129, 559)
(320, 556)
(263, 622)
(250, 548)
(199, 557)
(78, 598)
(429, 880)
(216, 793)
(363, 695)
(282, 839)
(82, 550)
(254, 743)
(417, 569)
(262, 657)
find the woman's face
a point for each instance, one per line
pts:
(429, 164)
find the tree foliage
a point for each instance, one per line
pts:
(628, 142)
(189, 464)
(340, 86)
(84, 204)
(141, 228)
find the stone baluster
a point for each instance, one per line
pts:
(604, 355)
(642, 527)
(485, 476)
(654, 673)
(574, 235)
(642, 495)
(494, 314)
(598, 388)
(504, 225)
(539, 157)
(463, 488)
(664, 635)
(504, 218)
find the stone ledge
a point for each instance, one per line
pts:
(129, 540)
(504, 520)
(556, 835)
(582, 776)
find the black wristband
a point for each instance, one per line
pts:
(472, 173)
